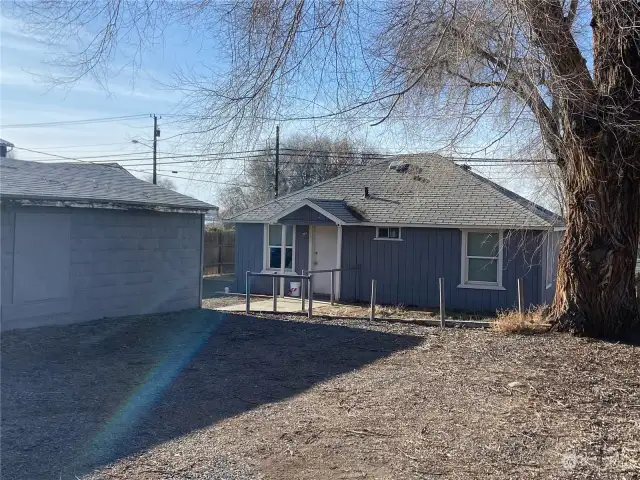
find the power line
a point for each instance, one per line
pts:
(45, 153)
(339, 116)
(180, 162)
(142, 171)
(72, 122)
(169, 155)
(297, 152)
(479, 162)
(260, 159)
(309, 155)
(214, 156)
(235, 184)
(85, 146)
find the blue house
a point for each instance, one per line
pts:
(406, 223)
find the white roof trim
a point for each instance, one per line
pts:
(305, 203)
(109, 205)
(483, 227)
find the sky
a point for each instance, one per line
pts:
(128, 101)
(27, 97)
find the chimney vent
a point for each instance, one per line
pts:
(366, 192)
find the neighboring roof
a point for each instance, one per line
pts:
(432, 191)
(94, 184)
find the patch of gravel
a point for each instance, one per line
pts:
(171, 461)
(224, 300)
(286, 398)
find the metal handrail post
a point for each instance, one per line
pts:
(310, 311)
(302, 290)
(275, 295)
(443, 322)
(372, 314)
(331, 296)
(247, 301)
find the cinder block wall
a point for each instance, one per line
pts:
(122, 263)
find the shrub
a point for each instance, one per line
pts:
(531, 321)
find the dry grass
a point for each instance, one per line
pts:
(400, 312)
(511, 321)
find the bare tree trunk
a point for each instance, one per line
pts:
(595, 291)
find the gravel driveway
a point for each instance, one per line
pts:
(77, 398)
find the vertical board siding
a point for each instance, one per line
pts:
(549, 293)
(407, 272)
(121, 263)
(249, 257)
(302, 248)
(306, 215)
(7, 231)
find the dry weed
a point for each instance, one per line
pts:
(511, 321)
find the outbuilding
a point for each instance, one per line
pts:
(82, 241)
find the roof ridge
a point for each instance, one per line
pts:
(509, 194)
(314, 200)
(485, 201)
(275, 200)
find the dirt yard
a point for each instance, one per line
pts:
(204, 395)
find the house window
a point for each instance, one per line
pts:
(482, 259)
(279, 236)
(388, 233)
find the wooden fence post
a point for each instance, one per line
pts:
(442, 320)
(247, 293)
(521, 297)
(372, 315)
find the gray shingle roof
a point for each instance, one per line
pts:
(338, 208)
(432, 191)
(86, 182)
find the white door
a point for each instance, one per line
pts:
(325, 242)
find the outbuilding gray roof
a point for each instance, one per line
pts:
(87, 183)
(432, 190)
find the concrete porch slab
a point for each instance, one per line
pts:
(285, 305)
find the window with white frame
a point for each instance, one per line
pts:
(388, 233)
(280, 241)
(482, 258)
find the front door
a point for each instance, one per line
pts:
(325, 242)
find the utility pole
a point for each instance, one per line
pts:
(156, 134)
(277, 158)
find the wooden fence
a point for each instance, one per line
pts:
(219, 252)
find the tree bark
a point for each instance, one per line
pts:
(595, 290)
